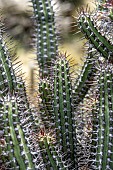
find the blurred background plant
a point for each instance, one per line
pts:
(17, 16)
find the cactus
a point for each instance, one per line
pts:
(103, 118)
(72, 127)
(47, 44)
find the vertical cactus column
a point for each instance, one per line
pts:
(103, 120)
(7, 77)
(46, 110)
(47, 44)
(17, 125)
(60, 113)
(17, 121)
(63, 108)
(97, 28)
(58, 134)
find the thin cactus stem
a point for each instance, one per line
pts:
(63, 107)
(52, 157)
(100, 42)
(10, 82)
(47, 44)
(15, 135)
(85, 78)
(18, 132)
(7, 76)
(103, 127)
(46, 110)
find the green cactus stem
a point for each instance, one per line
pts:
(86, 77)
(52, 155)
(7, 76)
(63, 108)
(10, 81)
(46, 110)
(103, 119)
(17, 126)
(47, 45)
(95, 34)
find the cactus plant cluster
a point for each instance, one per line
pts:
(72, 129)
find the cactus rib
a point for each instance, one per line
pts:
(63, 107)
(47, 42)
(99, 41)
(8, 79)
(18, 129)
(103, 126)
(46, 110)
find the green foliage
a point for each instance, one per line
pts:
(73, 127)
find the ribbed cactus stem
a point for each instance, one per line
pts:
(46, 110)
(7, 76)
(10, 82)
(46, 35)
(95, 35)
(102, 133)
(63, 108)
(85, 78)
(17, 126)
(52, 156)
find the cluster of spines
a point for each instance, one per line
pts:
(47, 44)
(51, 153)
